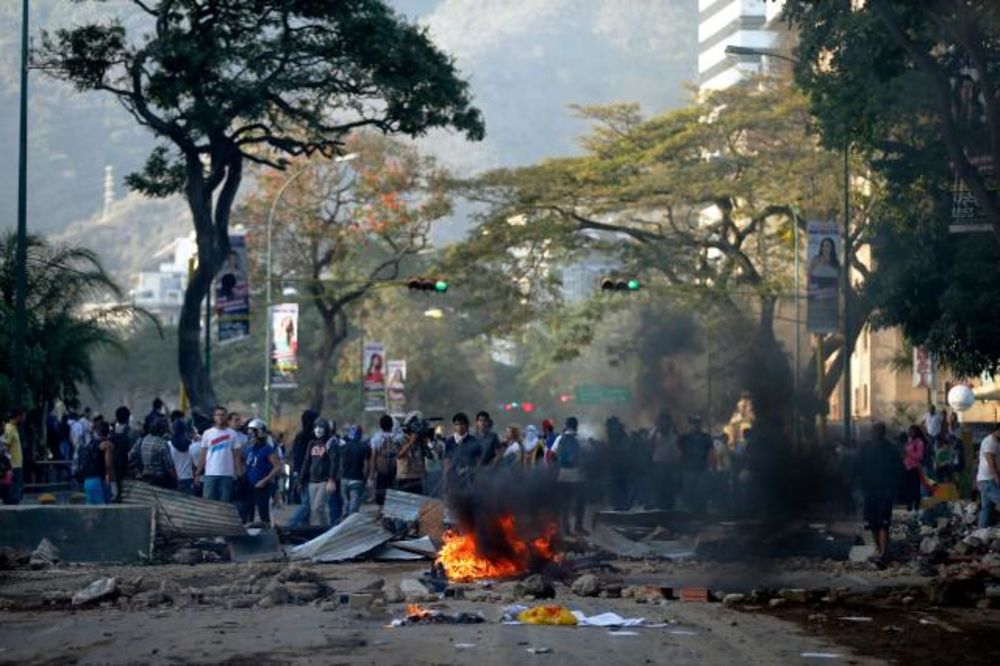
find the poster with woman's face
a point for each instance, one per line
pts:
(285, 345)
(823, 273)
(396, 386)
(373, 376)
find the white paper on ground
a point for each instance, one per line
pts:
(623, 633)
(820, 655)
(607, 620)
(682, 632)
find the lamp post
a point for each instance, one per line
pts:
(21, 252)
(268, 290)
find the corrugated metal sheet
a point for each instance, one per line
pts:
(180, 515)
(356, 535)
(422, 546)
(389, 553)
(407, 506)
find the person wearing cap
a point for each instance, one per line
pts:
(262, 466)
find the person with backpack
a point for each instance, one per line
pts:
(122, 440)
(385, 445)
(97, 465)
(150, 458)
(566, 454)
(180, 452)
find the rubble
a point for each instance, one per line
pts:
(587, 585)
(99, 590)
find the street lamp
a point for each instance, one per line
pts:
(267, 322)
(21, 251)
(734, 50)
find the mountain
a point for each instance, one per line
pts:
(526, 61)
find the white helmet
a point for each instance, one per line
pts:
(257, 424)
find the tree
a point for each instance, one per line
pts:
(68, 320)
(703, 201)
(343, 229)
(221, 82)
(892, 77)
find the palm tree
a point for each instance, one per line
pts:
(73, 310)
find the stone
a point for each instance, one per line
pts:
(412, 589)
(243, 601)
(360, 602)
(56, 597)
(44, 556)
(393, 595)
(187, 556)
(861, 553)
(533, 584)
(733, 599)
(100, 590)
(587, 585)
(777, 602)
(276, 592)
(932, 545)
(149, 599)
(304, 592)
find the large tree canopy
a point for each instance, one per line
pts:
(224, 81)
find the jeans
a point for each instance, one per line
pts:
(262, 503)
(318, 504)
(335, 505)
(96, 490)
(13, 494)
(186, 486)
(989, 498)
(218, 488)
(301, 515)
(354, 491)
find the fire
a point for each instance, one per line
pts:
(416, 611)
(462, 560)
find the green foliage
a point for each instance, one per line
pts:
(62, 335)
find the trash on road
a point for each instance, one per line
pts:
(539, 650)
(417, 614)
(607, 620)
(549, 614)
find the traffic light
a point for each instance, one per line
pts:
(618, 283)
(439, 285)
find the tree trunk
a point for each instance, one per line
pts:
(193, 372)
(334, 333)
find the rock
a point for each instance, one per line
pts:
(533, 584)
(794, 595)
(413, 589)
(187, 556)
(241, 601)
(777, 602)
(100, 590)
(733, 599)
(276, 593)
(644, 594)
(149, 599)
(12, 558)
(932, 545)
(56, 597)
(861, 553)
(587, 585)
(393, 595)
(304, 592)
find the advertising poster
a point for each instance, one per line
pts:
(396, 387)
(923, 368)
(232, 293)
(285, 345)
(373, 377)
(824, 254)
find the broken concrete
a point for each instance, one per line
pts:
(99, 590)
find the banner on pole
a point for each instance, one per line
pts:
(823, 274)
(396, 387)
(285, 345)
(373, 377)
(923, 368)
(232, 293)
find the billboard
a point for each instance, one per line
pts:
(396, 387)
(824, 265)
(373, 371)
(923, 368)
(232, 293)
(284, 345)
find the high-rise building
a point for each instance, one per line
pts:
(722, 23)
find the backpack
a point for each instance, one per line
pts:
(569, 450)
(89, 457)
(385, 457)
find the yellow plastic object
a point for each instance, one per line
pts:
(556, 615)
(46, 498)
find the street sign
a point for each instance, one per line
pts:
(600, 394)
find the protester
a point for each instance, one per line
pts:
(299, 485)
(932, 423)
(511, 447)
(549, 433)
(262, 467)
(180, 445)
(695, 447)
(12, 438)
(97, 465)
(567, 454)
(122, 441)
(219, 461)
(534, 448)
(150, 459)
(412, 457)
(158, 411)
(879, 470)
(488, 440)
(463, 455)
(616, 464)
(384, 447)
(913, 457)
(335, 488)
(354, 461)
(988, 476)
(317, 468)
(666, 459)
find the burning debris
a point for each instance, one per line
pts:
(499, 552)
(417, 614)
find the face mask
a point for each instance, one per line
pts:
(319, 432)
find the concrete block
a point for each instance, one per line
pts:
(861, 553)
(104, 533)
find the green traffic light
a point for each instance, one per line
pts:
(633, 285)
(441, 286)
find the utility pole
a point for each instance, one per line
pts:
(21, 254)
(846, 278)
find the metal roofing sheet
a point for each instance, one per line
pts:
(182, 515)
(355, 535)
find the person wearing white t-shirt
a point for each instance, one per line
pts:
(218, 461)
(933, 422)
(988, 476)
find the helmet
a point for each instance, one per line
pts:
(257, 424)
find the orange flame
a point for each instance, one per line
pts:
(417, 611)
(463, 562)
